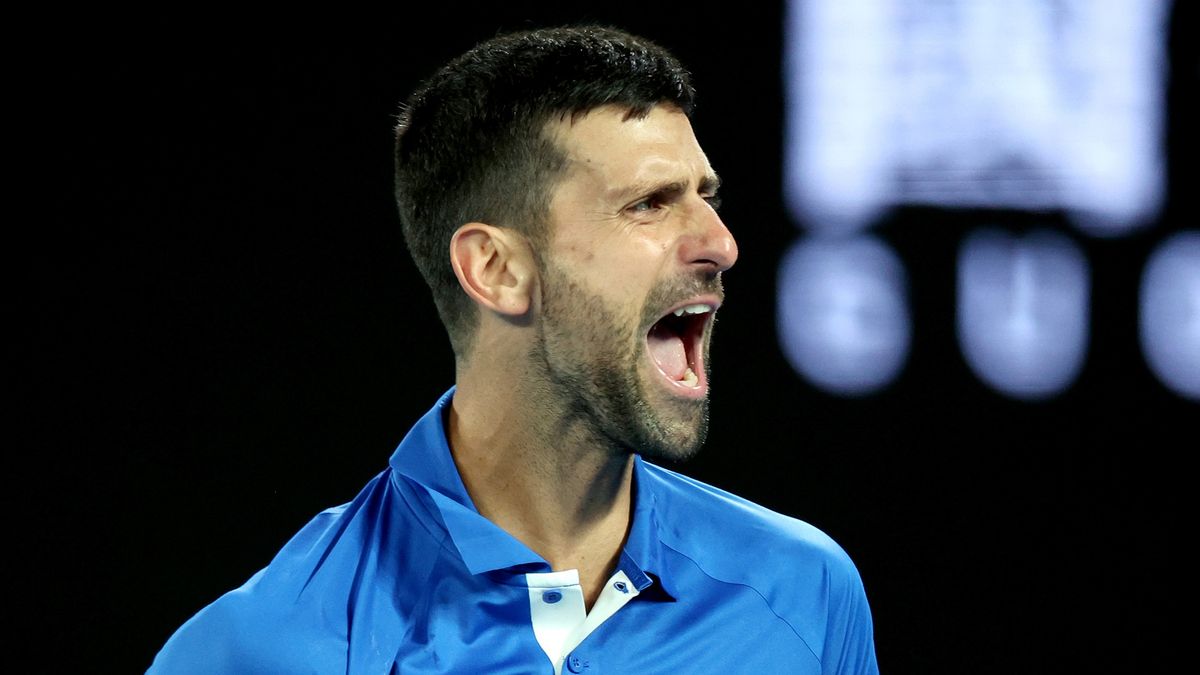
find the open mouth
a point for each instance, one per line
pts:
(676, 345)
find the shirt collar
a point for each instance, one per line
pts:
(642, 558)
(424, 457)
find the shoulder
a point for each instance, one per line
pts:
(801, 574)
(799, 571)
(291, 614)
(695, 516)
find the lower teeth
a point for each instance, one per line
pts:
(689, 378)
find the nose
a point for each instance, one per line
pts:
(707, 241)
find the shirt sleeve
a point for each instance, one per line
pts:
(850, 637)
(209, 642)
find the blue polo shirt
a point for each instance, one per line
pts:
(409, 578)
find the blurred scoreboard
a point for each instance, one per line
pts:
(1007, 105)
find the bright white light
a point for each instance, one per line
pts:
(843, 314)
(1023, 311)
(1023, 104)
(1170, 313)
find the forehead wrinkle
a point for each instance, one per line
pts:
(663, 168)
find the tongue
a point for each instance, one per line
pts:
(666, 348)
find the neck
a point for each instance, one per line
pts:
(541, 475)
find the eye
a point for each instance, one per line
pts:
(648, 204)
(714, 202)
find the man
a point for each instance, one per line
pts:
(556, 200)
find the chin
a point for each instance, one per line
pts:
(670, 428)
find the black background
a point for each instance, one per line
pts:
(226, 335)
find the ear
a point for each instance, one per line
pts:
(495, 267)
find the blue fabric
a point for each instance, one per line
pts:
(409, 578)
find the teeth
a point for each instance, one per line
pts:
(693, 309)
(690, 379)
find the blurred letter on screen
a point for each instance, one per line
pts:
(843, 313)
(1170, 313)
(1023, 311)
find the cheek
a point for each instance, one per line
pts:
(579, 254)
(631, 266)
(621, 270)
(621, 283)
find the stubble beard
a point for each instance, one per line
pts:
(589, 360)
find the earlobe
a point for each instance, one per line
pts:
(494, 265)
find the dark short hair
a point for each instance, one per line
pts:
(471, 141)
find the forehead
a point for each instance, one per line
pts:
(608, 150)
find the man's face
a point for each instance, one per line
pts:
(631, 280)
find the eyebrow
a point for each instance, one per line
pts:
(709, 184)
